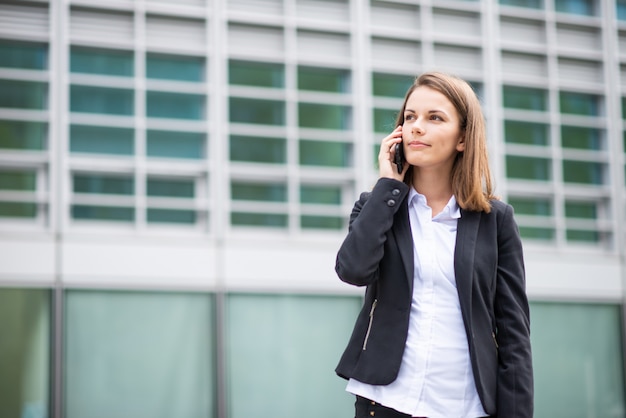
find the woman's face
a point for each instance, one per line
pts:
(431, 130)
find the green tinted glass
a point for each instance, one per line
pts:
(325, 195)
(102, 140)
(578, 7)
(528, 168)
(532, 4)
(324, 116)
(276, 192)
(582, 235)
(325, 153)
(19, 180)
(18, 210)
(390, 85)
(257, 111)
(20, 135)
(110, 101)
(531, 206)
(527, 133)
(23, 94)
(582, 172)
(579, 103)
(581, 137)
(171, 188)
(620, 9)
(175, 105)
(103, 213)
(101, 61)
(525, 98)
(169, 144)
(258, 149)
(323, 79)
(530, 232)
(23, 55)
(175, 67)
(585, 210)
(171, 216)
(321, 222)
(384, 120)
(101, 184)
(258, 219)
(249, 73)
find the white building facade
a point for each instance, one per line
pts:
(176, 177)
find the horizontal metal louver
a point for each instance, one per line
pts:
(457, 23)
(335, 10)
(271, 7)
(255, 39)
(580, 70)
(516, 64)
(101, 25)
(323, 45)
(577, 37)
(516, 30)
(385, 50)
(26, 20)
(400, 16)
(168, 32)
(458, 58)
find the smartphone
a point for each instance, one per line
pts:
(398, 157)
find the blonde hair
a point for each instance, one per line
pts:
(471, 177)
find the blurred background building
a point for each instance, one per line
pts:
(176, 177)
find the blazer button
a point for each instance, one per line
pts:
(395, 192)
(391, 202)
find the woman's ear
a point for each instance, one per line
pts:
(460, 145)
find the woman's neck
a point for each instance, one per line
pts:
(435, 186)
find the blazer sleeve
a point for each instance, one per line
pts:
(515, 374)
(360, 253)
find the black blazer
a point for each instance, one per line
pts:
(490, 278)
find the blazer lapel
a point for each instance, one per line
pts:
(466, 236)
(404, 240)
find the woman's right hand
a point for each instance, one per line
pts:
(386, 166)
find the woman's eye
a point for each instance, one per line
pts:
(436, 117)
(408, 117)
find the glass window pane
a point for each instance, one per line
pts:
(296, 338)
(323, 79)
(169, 144)
(525, 98)
(18, 210)
(20, 180)
(175, 216)
(103, 213)
(577, 359)
(321, 222)
(258, 149)
(533, 4)
(102, 140)
(25, 352)
(527, 133)
(324, 116)
(531, 206)
(264, 112)
(23, 55)
(276, 192)
(579, 7)
(582, 235)
(162, 365)
(21, 135)
(277, 220)
(384, 120)
(390, 85)
(583, 172)
(175, 67)
(529, 168)
(175, 105)
(23, 94)
(536, 233)
(581, 138)
(110, 101)
(171, 188)
(620, 9)
(325, 153)
(101, 61)
(579, 103)
(585, 210)
(258, 74)
(103, 184)
(325, 195)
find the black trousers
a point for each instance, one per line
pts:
(365, 408)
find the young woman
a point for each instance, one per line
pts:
(444, 330)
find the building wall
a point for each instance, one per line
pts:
(176, 177)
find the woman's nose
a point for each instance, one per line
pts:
(417, 126)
